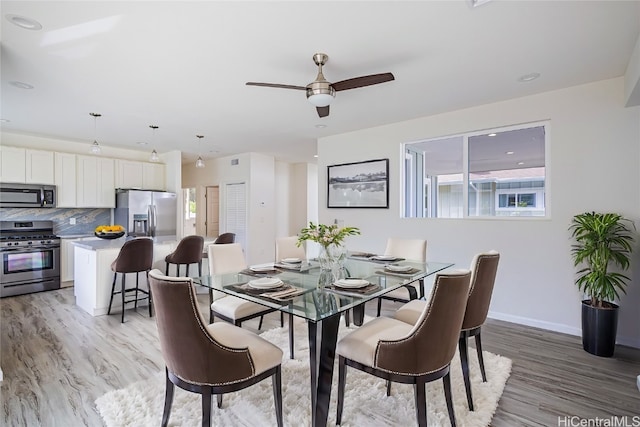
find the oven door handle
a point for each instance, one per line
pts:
(29, 249)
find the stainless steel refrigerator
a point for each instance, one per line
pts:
(146, 213)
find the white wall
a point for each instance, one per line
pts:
(262, 208)
(283, 184)
(593, 164)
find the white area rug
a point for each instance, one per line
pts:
(141, 403)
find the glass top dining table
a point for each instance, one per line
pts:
(320, 302)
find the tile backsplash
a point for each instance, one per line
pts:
(86, 219)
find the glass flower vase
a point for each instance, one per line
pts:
(331, 259)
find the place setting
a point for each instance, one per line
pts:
(398, 270)
(260, 270)
(270, 287)
(353, 286)
(289, 264)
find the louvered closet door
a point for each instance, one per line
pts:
(235, 211)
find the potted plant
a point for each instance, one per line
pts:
(602, 244)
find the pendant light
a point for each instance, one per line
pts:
(154, 154)
(199, 162)
(95, 147)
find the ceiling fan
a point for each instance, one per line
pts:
(320, 92)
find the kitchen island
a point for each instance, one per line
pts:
(93, 275)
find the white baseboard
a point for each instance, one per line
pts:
(556, 327)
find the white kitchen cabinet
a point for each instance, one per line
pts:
(39, 167)
(66, 261)
(95, 182)
(12, 164)
(65, 179)
(129, 174)
(153, 176)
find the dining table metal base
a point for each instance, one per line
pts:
(323, 337)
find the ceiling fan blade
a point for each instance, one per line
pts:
(323, 111)
(356, 82)
(277, 85)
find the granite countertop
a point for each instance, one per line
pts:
(95, 245)
(75, 236)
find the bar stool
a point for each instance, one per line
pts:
(135, 256)
(189, 251)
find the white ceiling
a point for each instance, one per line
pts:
(183, 66)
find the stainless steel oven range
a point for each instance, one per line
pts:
(30, 257)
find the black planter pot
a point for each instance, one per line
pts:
(599, 328)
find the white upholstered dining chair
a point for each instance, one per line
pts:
(411, 249)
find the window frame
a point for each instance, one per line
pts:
(543, 196)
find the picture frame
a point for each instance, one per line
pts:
(358, 185)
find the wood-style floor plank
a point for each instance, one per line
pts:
(57, 359)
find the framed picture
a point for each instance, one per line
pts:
(358, 185)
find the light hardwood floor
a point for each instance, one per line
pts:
(57, 360)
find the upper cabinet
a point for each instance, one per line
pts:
(95, 182)
(129, 174)
(12, 164)
(139, 175)
(153, 176)
(39, 167)
(65, 179)
(26, 166)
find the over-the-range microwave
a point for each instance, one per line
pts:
(27, 196)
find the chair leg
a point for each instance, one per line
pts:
(290, 335)
(282, 319)
(480, 358)
(342, 377)
(379, 307)
(421, 402)
(187, 272)
(168, 400)
(124, 275)
(200, 268)
(113, 288)
(388, 388)
(276, 381)
(166, 272)
(464, 363)
(260, 324)
(347, 318)
(149, 299)
(220, 400)
(446, 382)
(206, 407)
(210, 302)
(135, 302)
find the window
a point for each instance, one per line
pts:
(501, 172)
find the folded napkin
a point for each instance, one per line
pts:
(385, 261)
(366, 290)
(288, 266)
(361, 254)
(407, 273)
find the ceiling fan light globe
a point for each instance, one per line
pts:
(320, 99)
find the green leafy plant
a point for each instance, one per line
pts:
(602, 240)
(326, 235)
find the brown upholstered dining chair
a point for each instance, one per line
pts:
(189, 251)
(225, 238)
(411, 249)
(411, 354)
(135, 256)
(208, 359)
(483, 268)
